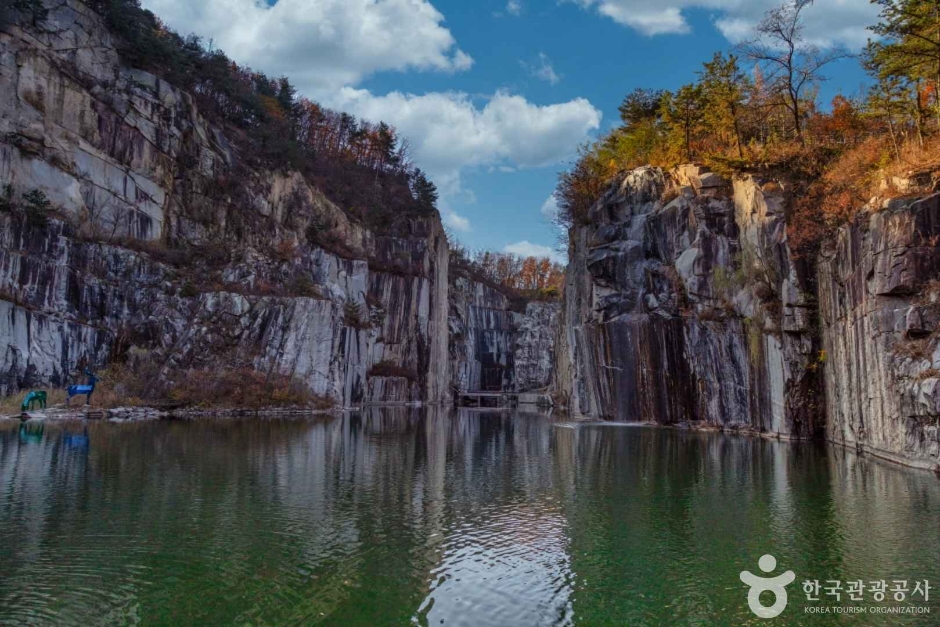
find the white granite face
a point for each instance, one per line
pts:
(129, 165)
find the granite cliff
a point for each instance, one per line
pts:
(159, 238)
(131, 225)
(684, 305)
(879, 300)
(498, 347)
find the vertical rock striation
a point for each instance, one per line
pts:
(482, 333)
(164, 239)
(494, 348)
(534, 355)
(879, 297)
(682, 305)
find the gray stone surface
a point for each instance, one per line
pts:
(673, 309)
(136, 173)
(493, 348)
(879, 299)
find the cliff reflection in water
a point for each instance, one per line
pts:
(396, 516)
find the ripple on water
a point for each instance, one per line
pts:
(466, 519)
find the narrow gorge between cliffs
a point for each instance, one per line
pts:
(315, 406)
(683, 304)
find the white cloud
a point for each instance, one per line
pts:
(322, 44)
(451, 131)
(550, 208)
(514, 7)
(327, 47)
(455, 221)
(526, 248)
(828, 22)
(543, 69)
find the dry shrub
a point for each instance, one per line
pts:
(243, 388)
(775, 152)
(134, 383)
(139, 383)
(913, 349)
(265, 288)
(710, 314)
(286, 250)
(398, 267)
(916, 157)
(332, 242)
(844, 187)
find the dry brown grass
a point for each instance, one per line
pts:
(391, 369)
(243, 388)
(10, 406)
(916, 158)
(913, 349)
(844, 186)
(930, 373)
(141, 385)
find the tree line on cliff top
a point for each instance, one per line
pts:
(520, 279)
(363, 167)
(758, 108)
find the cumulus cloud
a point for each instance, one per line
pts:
(328, 47)
(322, 44)
(829, 22)
(543, 69)
(451, 131)
(455, 221)
(550, 208)
(526, 248)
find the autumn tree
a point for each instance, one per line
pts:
(791, 65)
(845, 123)
(725, 89)
(580, 186)
(683, 114)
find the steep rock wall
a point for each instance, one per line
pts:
(496, 349)
(682, 305)
(879, 296)
(482, 331)
(164, 240)
(534, 354)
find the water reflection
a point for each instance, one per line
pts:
(400, 516)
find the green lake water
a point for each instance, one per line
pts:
(430, 517)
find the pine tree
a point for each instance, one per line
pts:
(909, 43)
(640, 106)
(683, 114)
(425, 192)
(726, 89)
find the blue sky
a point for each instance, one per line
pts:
(496, 95)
